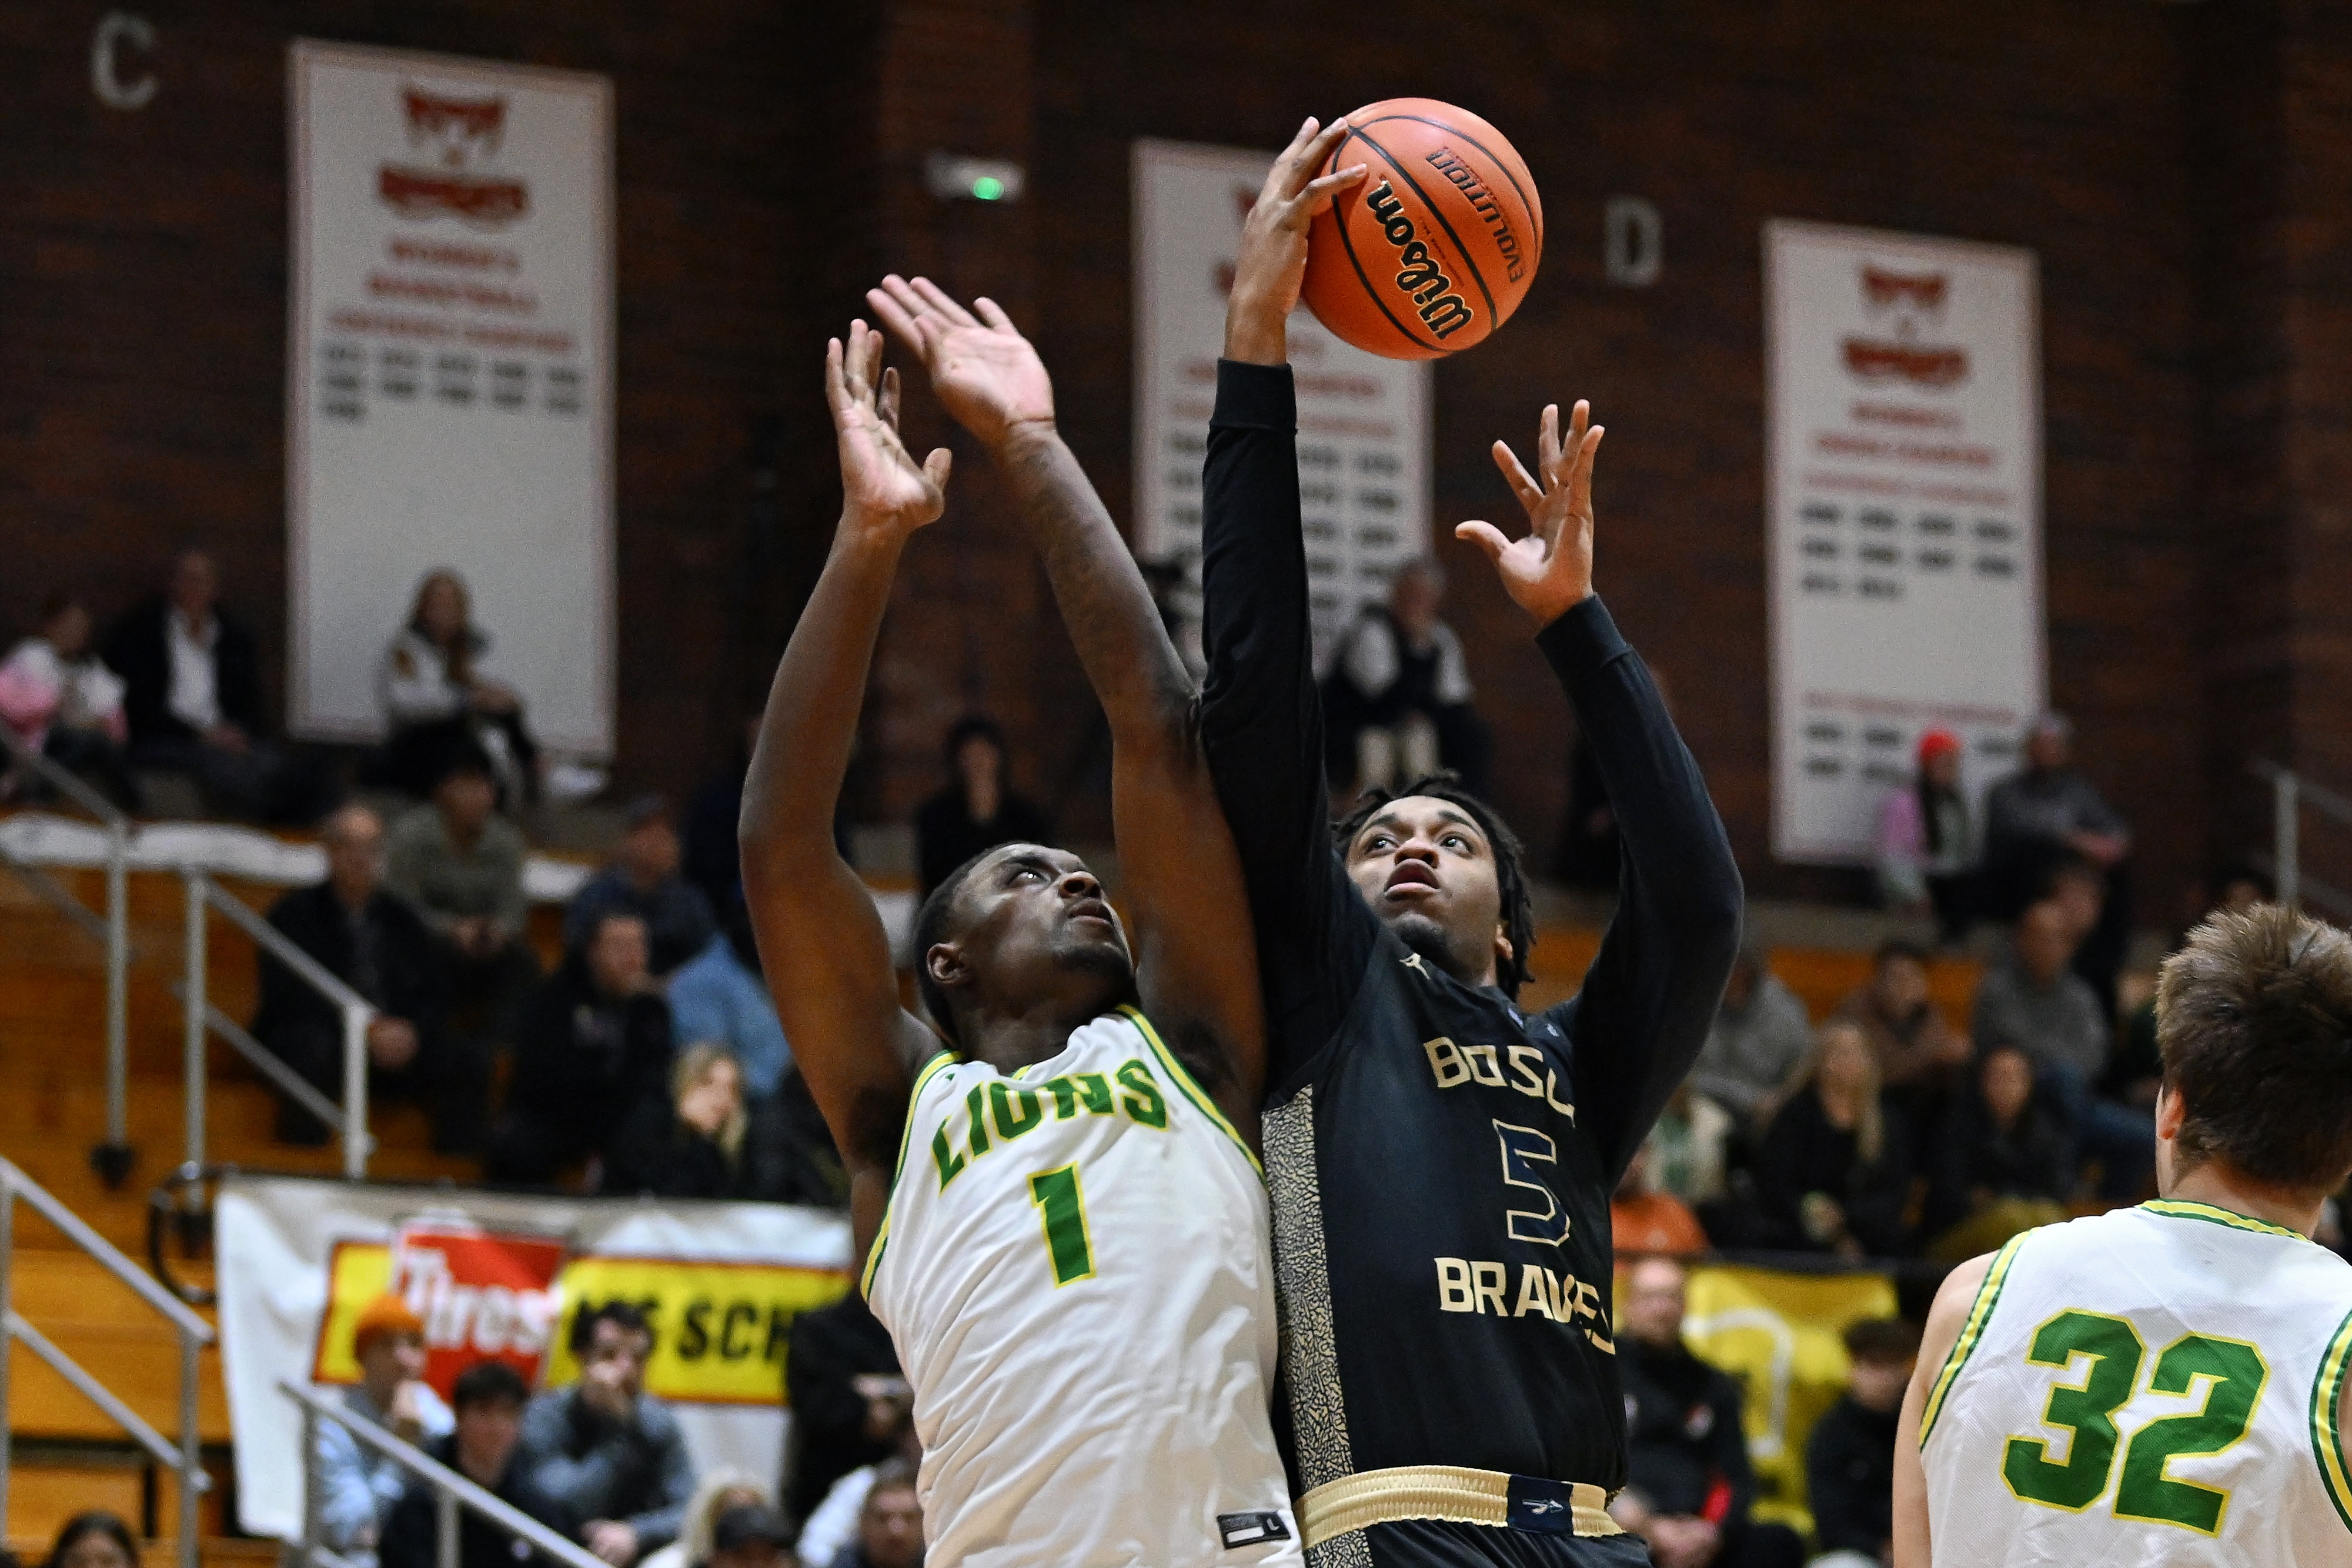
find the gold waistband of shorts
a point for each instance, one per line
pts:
(1434, 1492)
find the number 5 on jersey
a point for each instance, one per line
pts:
(1061, 1206)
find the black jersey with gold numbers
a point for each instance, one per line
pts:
(1440, 1163)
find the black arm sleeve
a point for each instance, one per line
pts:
(1638, 1024)
(1261, 722)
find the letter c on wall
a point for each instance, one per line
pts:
(115, 29)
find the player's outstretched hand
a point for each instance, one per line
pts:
(883, 489)
(1273, 260)
(1549, 571)
(986, 373)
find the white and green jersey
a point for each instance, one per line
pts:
(1075, 1270)
(2160, 1385)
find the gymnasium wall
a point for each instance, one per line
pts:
(2159, 159)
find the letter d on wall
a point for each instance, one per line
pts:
(115, 29)
(1633, 242)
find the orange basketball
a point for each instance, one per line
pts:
(1435, 246)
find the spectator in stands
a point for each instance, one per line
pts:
(1397, 702)
(890, 1522)
(1920, 1055)
(485, 1447)
(608, 1454)
(751, 1536)
(60, 698)
(832, 1535)
(1688, 1485)
(359, 1485)
(1833, 1171)
(460, 863)
(849, 1402)
(1761, 1039)
(192, 693)
(1646, 1218)
(1687, 1146)
(1927, 853)
(2032, 999)
(719, 1490)
(719, 995)
(703, 1141)
(96, 1539)
(1850, 1456)
(2003, 1164)
(643, 880)
(2043, 816)
(592, 1046)
(977, 811)
(435, 699)
(379, 946)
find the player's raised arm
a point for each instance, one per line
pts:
(821, 940)
(1181, 879)
(1261, 721)
(1647, 1002)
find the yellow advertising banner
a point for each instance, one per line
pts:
(1780, 1335)
(719, 1328)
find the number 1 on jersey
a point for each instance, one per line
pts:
(1062, 1212)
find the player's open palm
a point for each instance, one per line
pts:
(986, 373)
(883, 488)
(1549, 568)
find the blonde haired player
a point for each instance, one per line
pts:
(1066, 1238)
(2167, 1384)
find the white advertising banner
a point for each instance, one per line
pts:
(1363, 421)
(449, 377)
(1903, 480)
(502, 1276)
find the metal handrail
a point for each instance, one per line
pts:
(199, 1021)
(451, 1490)
(187, 1459)
(113, 1158)
(2290, 792)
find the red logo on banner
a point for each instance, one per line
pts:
(483, 1296)
(1909, 303)
(459, 138)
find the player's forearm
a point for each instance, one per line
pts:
(811, 724)
(1122, 643)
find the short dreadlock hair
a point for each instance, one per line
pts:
(1510, 880)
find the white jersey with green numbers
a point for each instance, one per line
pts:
(2159, 1384)
(1075, 1270)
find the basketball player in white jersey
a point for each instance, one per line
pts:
(1062, 1231)
(2167, 1384)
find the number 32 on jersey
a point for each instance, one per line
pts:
(2217, 1381)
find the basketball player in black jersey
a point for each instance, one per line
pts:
(1441, 1163)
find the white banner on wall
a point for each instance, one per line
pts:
(1904, 498)
(1363, 421)
(449, 376)
(495, 1275)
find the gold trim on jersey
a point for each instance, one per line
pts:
(944, 1059)
(2177, 1208)
(1979, 1314)
(2327, 1420)
(1192, 1091)
(1452, 1492)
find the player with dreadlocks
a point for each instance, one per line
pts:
(1440, 1163)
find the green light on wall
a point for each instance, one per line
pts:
(988, 188)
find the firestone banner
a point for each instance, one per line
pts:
(1904, 518)
(503, 1277)
(449, 377)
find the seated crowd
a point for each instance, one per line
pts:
(605, 1463)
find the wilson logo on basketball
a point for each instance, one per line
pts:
(1482, 201)
(1442, 312)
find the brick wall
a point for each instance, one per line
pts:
(770, 165)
